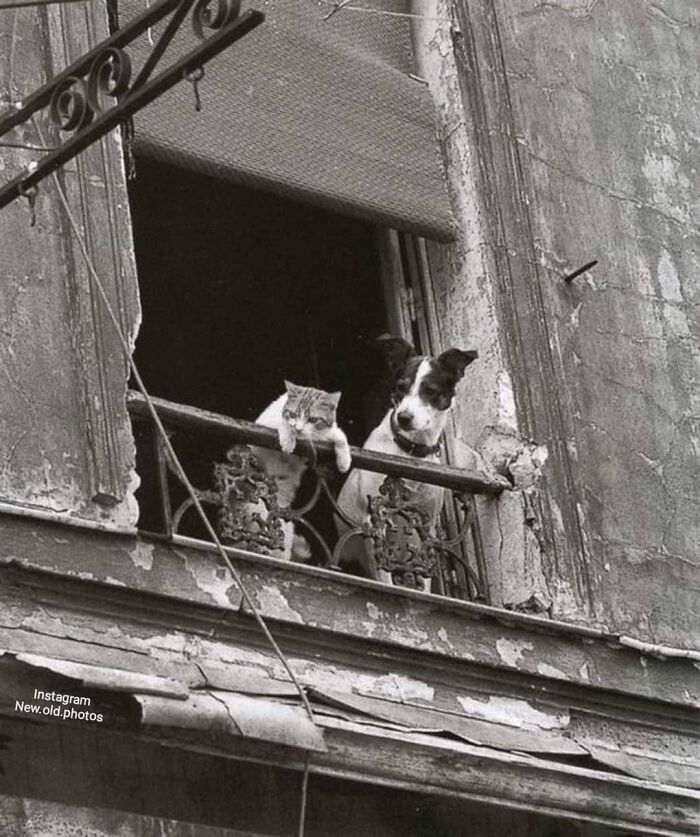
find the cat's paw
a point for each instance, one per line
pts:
(301, 551)
(288, 439)
(343, 459)
(288, 442)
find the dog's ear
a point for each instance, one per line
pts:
(396, 351)
(455, 361)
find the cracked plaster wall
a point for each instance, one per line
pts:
(605, 108)
(485, 424)
(65, 439)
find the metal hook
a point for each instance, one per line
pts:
(581, 270)
(30, 193)
(194, 78)
(128, 143)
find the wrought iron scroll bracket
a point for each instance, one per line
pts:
(95, 94)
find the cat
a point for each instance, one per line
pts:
(299, 413)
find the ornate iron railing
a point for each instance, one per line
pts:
(397, 534)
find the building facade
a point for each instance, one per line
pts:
(438, 171)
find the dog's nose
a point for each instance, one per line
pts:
(405, 419)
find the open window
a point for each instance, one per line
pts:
(242, 290)
(267, 245)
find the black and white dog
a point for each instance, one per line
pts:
(422, 393)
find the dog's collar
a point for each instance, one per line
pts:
(409, 447)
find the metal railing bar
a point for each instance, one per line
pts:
(456, 479)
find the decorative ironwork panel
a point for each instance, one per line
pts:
(249, 515)
(398, 535)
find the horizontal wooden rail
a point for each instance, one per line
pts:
(246, 432)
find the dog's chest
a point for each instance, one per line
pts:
(427, 497)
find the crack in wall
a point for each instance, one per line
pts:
(635, 200)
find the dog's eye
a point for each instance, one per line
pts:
(402, 387)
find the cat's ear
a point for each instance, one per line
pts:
(290, 387)
(332, 398)
(455, 361)
(396, 350)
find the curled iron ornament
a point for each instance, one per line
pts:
(75, 101)
(69, 107)
(110, 74)
(213, 15)
(66, 96)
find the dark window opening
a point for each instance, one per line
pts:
(241, 290)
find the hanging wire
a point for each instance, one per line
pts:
(344, 5)
(191, 491)
(304, 794)
(149, 31)
(337, 6)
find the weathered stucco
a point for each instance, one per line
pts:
(601, 130)
(65, 438)
(485, 416)
(86, 611)
(604, 97)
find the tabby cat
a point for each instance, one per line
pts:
(300, 413)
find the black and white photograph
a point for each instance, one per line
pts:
(349, 418)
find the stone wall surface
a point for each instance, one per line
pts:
(605, 102)
(570, 134)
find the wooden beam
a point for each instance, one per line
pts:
(21, 815)
(427, 765)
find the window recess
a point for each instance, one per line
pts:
(240, 291)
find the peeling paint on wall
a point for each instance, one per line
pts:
(395, 687)
(272, 601)
(142, 555)
(211, 578)
(514, 712)
(511, 651)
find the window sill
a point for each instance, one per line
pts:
(188, 587)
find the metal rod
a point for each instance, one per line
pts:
(581, 270)
(21, 4)
(27, 146)
(161, 45)
(109, 120)
(459, 479)
(40, 98)
(166, 508)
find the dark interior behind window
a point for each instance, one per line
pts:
(241, 289)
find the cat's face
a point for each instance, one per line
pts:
(309, 411)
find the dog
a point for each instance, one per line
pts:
(423, 390)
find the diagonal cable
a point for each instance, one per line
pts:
(176, 461)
